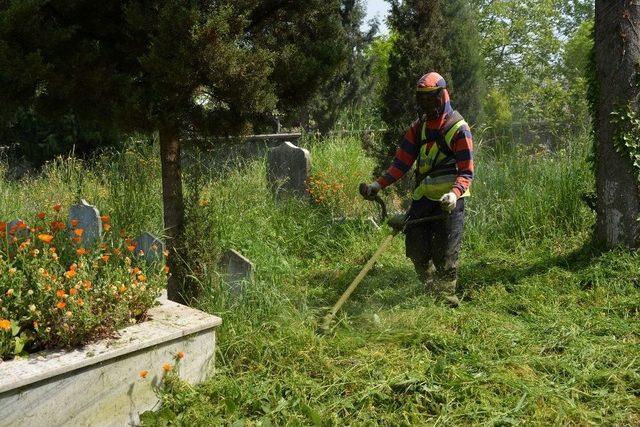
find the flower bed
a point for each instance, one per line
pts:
(110, 382)
(56, 291)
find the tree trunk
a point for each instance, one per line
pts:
(617, 46)
(173, 206)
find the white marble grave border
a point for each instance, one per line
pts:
(105, 374)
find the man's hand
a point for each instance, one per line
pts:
(448, 201)
(369, 191)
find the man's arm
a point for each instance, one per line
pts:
(462, 146)
(405, 157)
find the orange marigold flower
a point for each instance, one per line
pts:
(86, 284)
(122, 289)
(3, 226)
(78, 231)
(105, 258)
(73, 267)
(22, 225)
(143, 373)
(142, 277)
(106, 227)
(76, 239)
(135, 270)
(167, 367)
(131, 248)
(41, 215)
(61, 305)
(60, 293)
(81, 251)
(46, 238)
(166, 269)
(180, 355)
(105, 218)
(57, 207)
(74, 222)
(70, 274)
(116, 251)
(73, 291)
(5, 324)
(57, 225)
(80, 301)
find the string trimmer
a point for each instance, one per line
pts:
(398, 224)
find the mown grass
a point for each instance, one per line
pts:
(548, 331)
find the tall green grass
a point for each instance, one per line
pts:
(522, 196)
(547, 333)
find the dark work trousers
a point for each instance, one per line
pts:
(435, 243)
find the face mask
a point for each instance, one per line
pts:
(430, 104)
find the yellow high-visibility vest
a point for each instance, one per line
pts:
(434, 186)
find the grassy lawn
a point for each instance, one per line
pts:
(548, 331)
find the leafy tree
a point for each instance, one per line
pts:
(37, 139)
(310, 41)
(497, 113)
(162, 66)
(522, 43)
(352, 83)
(378, 53)
(576, 70)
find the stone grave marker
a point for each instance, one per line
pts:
(237, 271)
(87, 218)
(151, 247)
(18, 229)
(288, 169)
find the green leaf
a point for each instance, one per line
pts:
(313, 416)
(19, 343)
(15, 328)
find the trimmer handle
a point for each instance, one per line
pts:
(383, 208)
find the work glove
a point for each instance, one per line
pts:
(397, 222)
(448, 201)
(370, 191)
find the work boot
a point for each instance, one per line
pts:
(426, 272)
(444, 289)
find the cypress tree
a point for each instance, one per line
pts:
(352, 83)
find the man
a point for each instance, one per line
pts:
(440, 140)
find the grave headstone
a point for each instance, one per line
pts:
(87, 218)
(151, 247)
(237, 271)
(288, 169)
(18, 229)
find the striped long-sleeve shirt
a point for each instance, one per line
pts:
(407, 153)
